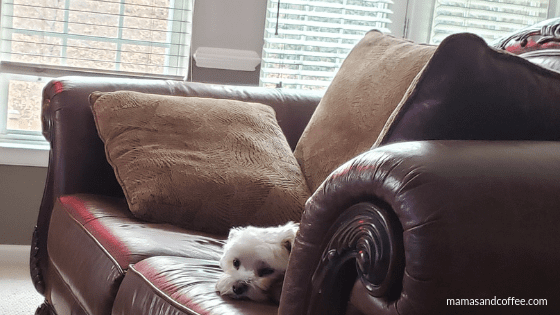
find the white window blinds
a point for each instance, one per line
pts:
(490, 19)
(136, 36)
(307, 40)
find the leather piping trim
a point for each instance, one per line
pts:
(162, 294)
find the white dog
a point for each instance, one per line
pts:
(255, 260)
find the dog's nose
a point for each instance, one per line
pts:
(240, 287)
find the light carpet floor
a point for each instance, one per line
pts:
(17, 294)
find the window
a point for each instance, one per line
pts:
(138, 36)
(490, 19)
(47, 38)
(307, 40)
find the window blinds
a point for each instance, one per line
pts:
(490, 19)
(136, 36)
(307, 40)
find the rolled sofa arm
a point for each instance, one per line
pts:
(428, 225)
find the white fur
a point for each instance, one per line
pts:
(257, 250)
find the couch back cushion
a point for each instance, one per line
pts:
(200, 163)
(365, 91)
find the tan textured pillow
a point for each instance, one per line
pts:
(202, 164)
(363, 94)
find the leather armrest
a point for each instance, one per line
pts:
(422, 222)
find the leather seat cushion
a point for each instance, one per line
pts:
(93, 239)
(179, 285)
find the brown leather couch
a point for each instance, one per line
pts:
(470, 219)
(88, 248)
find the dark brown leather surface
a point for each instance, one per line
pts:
(176, 285)
(60, 296)
(82, 264)
(480, 219)
(93, 239)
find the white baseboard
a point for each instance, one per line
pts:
(14, 254)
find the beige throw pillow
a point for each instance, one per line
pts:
(365, 91)
(202, 164)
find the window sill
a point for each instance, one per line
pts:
(20, 154)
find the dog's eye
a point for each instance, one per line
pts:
(265, 272)
(236, 263)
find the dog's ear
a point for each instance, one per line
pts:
(233, 232)
(287, 243)
(289, 235)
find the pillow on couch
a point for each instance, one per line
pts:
(469, 91)
(370, 83)
(202, 164)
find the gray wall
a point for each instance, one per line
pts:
(21, 190)
(228, 24)
(216, 23)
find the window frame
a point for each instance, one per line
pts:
(29, 148)
(23, 148)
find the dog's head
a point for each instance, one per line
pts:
(254, 262)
